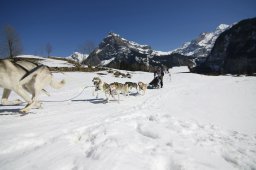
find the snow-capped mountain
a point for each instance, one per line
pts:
(117, 52)
(234, 51)
(202, 45)
(78, 57)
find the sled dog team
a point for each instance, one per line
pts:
(29, 79)
(117, 88)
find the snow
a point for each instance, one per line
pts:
(190, 53)
(194, 122)
(161, 53)
(223, 27)
(56, 63)
(31, 56)
(48, 61)
(78, 57)
(207, 38)
(106, 62)
(98, 51)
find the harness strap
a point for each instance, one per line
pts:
(16, 64)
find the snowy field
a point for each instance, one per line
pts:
(194, 122)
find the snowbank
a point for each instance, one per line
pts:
(48, 61)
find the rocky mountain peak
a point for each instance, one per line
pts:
(202, 45)
(117, 52)
(116, 41)
(111, 39)
(222, 27)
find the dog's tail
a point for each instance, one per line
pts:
(57, 85)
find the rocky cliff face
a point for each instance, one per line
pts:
(117, 52)
(234, 51)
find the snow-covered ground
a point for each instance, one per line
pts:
(48, 61)
(194, 122)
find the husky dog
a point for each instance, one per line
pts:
(25, 78)
(121, 88)
(96, 81)
(117, 88)
(101, 86)
(132, 85)
(142, 87)
(26, 66)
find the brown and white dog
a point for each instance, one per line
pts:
(142, 87)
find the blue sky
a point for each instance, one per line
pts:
(162, 24)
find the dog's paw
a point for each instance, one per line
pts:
(38, 105)
(24, 110)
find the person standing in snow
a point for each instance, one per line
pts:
(155, 72)
(161, 76)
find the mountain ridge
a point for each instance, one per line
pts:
(202, 45)
(118, 52)
(234, 51)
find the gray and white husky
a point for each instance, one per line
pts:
(26, 79)
(101, 86)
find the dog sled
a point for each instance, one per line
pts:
(155, 83)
